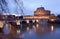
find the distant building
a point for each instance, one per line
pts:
(41, 13)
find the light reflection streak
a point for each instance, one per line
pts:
(52, 28)
(27, 28)
(37, 25)
(18, 31)
(7, 28)
(34, 28)
(30, 32)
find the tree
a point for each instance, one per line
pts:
(58, 16)
(5, 9)
(3, 6)
(19, 9)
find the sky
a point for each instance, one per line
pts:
(31, 5)
(14, 7)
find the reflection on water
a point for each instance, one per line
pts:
(18, 31)
(7, 29)
(37, 31)
(37, 25)
(34, 28)
(52, 28)
(27, 28)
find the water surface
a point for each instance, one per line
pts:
(37, 31)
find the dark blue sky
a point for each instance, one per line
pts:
(32, 5)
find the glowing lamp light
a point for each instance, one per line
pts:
(18, 22)
(1, 25)
(27, 21)
(34, 28)
(33, 21)
(52, 20)
(37, 20)
(37, 25)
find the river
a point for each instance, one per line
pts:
(37, 31)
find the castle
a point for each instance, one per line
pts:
(41, 14)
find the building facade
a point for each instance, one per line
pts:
(42, 15)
